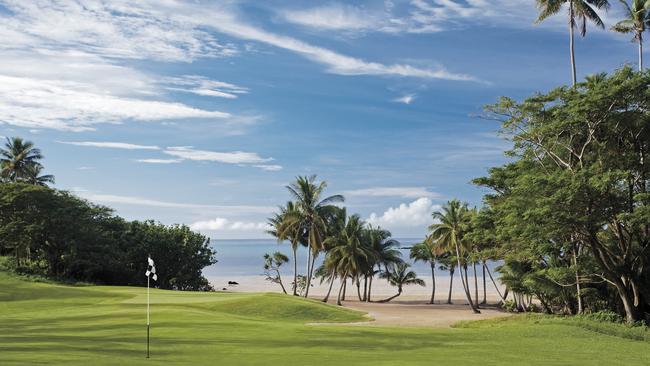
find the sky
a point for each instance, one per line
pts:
(201, 112)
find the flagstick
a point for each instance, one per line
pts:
(147, 316)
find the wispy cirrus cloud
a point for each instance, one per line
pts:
(159, 161)
(234, 157)
(111, 145)
(224, 224)
(203, 86)
(405, 99)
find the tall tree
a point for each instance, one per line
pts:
(399, 277)
(287, 225)
(315, 212)
(19, 161)
(637, 21)
(579, 12)
(449, 231)
(385, 254)
(428, 251)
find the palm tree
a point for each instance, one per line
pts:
(18, 159)
(286, 225)
(401, 276)
(315, 213)
(34, 176)
(449, 232)
(637, 21)
(428, 251)
(348, 254)
(579, 11)
(385, 253)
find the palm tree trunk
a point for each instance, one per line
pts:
(475, 285)
(433, 282)
(369, 287)
(571, 41)
(295, 270)
(451, 283)
(365, 287)
(341, 290)
(399, 292)
(484, 285)
(359, 289)
(640, 51)
(308, 268)
(464, 282)
(345, 286)
(327, 297)
(311, 273)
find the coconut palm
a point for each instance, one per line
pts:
(579, 12)
(287, 225)
(401, 276)
(348, 253)
(637, 21)
(18, 159)
(428, 251)
(34, 176)
(386, 254)
(315, 213)
(449, 232)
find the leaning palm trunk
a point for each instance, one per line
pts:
(311, 273)
(399, 292)
(341, 296)
(327, 297)
(433, 282)
(369, 287)
(464, 282)
(359, 289)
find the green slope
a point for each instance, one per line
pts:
(97, 325)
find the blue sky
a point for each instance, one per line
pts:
(200, 112)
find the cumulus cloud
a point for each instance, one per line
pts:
(416, 213)
(111, 145)
(223, 224)
(406, 192)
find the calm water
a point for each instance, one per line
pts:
(245, 258)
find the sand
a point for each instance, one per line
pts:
(411, 309)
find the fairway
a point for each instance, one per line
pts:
(53, 324)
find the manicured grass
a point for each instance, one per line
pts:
(42, 323)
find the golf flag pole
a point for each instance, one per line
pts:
(151, 273)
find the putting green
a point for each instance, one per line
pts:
(44, 323)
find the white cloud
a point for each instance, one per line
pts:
(202, 86)
(406, 192)
(116, 29)
(111, 145)
(159, 161)
(416, 213)
(235, 157)
(406, 99)
(74, 106)
(141, 201)
(223, 224)
(334, 16)
(269, 167)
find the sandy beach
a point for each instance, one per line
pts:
(411, 309)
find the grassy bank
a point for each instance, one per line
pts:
(44, 323)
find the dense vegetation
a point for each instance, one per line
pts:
(101, 325)
(55, 233)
